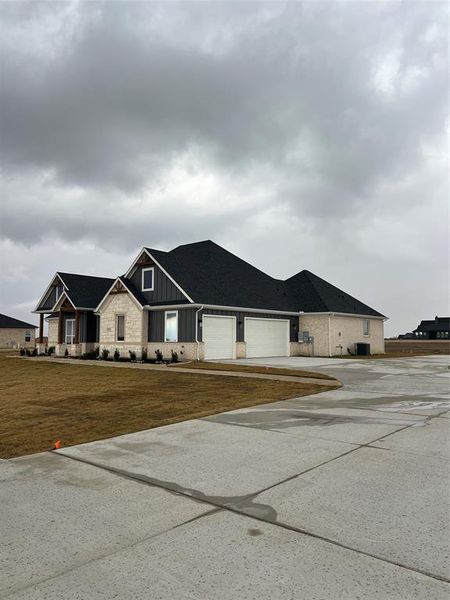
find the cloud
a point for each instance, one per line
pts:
(300, 134)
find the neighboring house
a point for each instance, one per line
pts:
(203, 302)
(15, 333)
(436, 329)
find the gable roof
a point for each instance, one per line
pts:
(437, 324)
(11, 323)
(314, 294)
(85, 291)
(209, 274)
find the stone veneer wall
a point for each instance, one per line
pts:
(351, 332)
(317, 325)
(15, 338)
(185, 350)
(52, 331)
(136, 325)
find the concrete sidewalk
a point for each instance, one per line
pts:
(343, 494)
(152, 367)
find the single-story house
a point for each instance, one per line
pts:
(203, 302)
(15, 333)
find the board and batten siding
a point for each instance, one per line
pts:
(186, 325)
(164, 291)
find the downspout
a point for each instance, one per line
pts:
(329, 334)
(196, 331)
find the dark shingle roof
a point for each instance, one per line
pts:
(133, 289)
(85, 291)
(437, 324)
(209, 274)
(317, 295)
(11, 323)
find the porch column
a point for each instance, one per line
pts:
(41, 328)
(60, 327)
(77, 327)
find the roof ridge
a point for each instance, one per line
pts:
(83, 275)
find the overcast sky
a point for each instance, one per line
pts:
(299, 135)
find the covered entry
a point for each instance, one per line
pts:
(266, 337)
(219, 336)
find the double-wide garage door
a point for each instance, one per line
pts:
(263, 337)
(266, 337)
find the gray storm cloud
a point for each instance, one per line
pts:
(314, 131)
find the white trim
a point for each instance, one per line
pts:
(63, 296)
(162, 269)
(56, 275)
(116, 316)
(143, 289)
(65, 331)
(342, 314)
(138, 304)
(197, 341)
(229, 308)
(288, 341)
(167, 312)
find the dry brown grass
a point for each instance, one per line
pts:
(252, 369)
(41, 401)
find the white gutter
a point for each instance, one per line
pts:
(218, 307)
(196, 332)
(342, 314)
(329, 333)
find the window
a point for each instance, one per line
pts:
(28, 336)
(70, 331)
(120, 328)
(171, 328)
(147, 279)
(366, 325)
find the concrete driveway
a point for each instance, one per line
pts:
(343, 494)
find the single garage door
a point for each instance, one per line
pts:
(266, 337)
(219, 335)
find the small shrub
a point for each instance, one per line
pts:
(105, 354)
(27, 352)
(174, 356)
(97, 352)
(66, 353)
(116, 354)
(159, 356)
(34, 352)
(51, 350)
(132, 355)
(144, 355)
(22, 352)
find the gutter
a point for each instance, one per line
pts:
(219, 307)
(329, 333)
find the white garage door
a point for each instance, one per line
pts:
(266, 337)
(219, 335)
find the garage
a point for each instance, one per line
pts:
(266, 337)
(219, 337)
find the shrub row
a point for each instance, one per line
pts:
(95, 354)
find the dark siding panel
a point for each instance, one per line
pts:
(91, 327)
(186, 325)
(293, 325)
(164, 289)
(48, 302)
